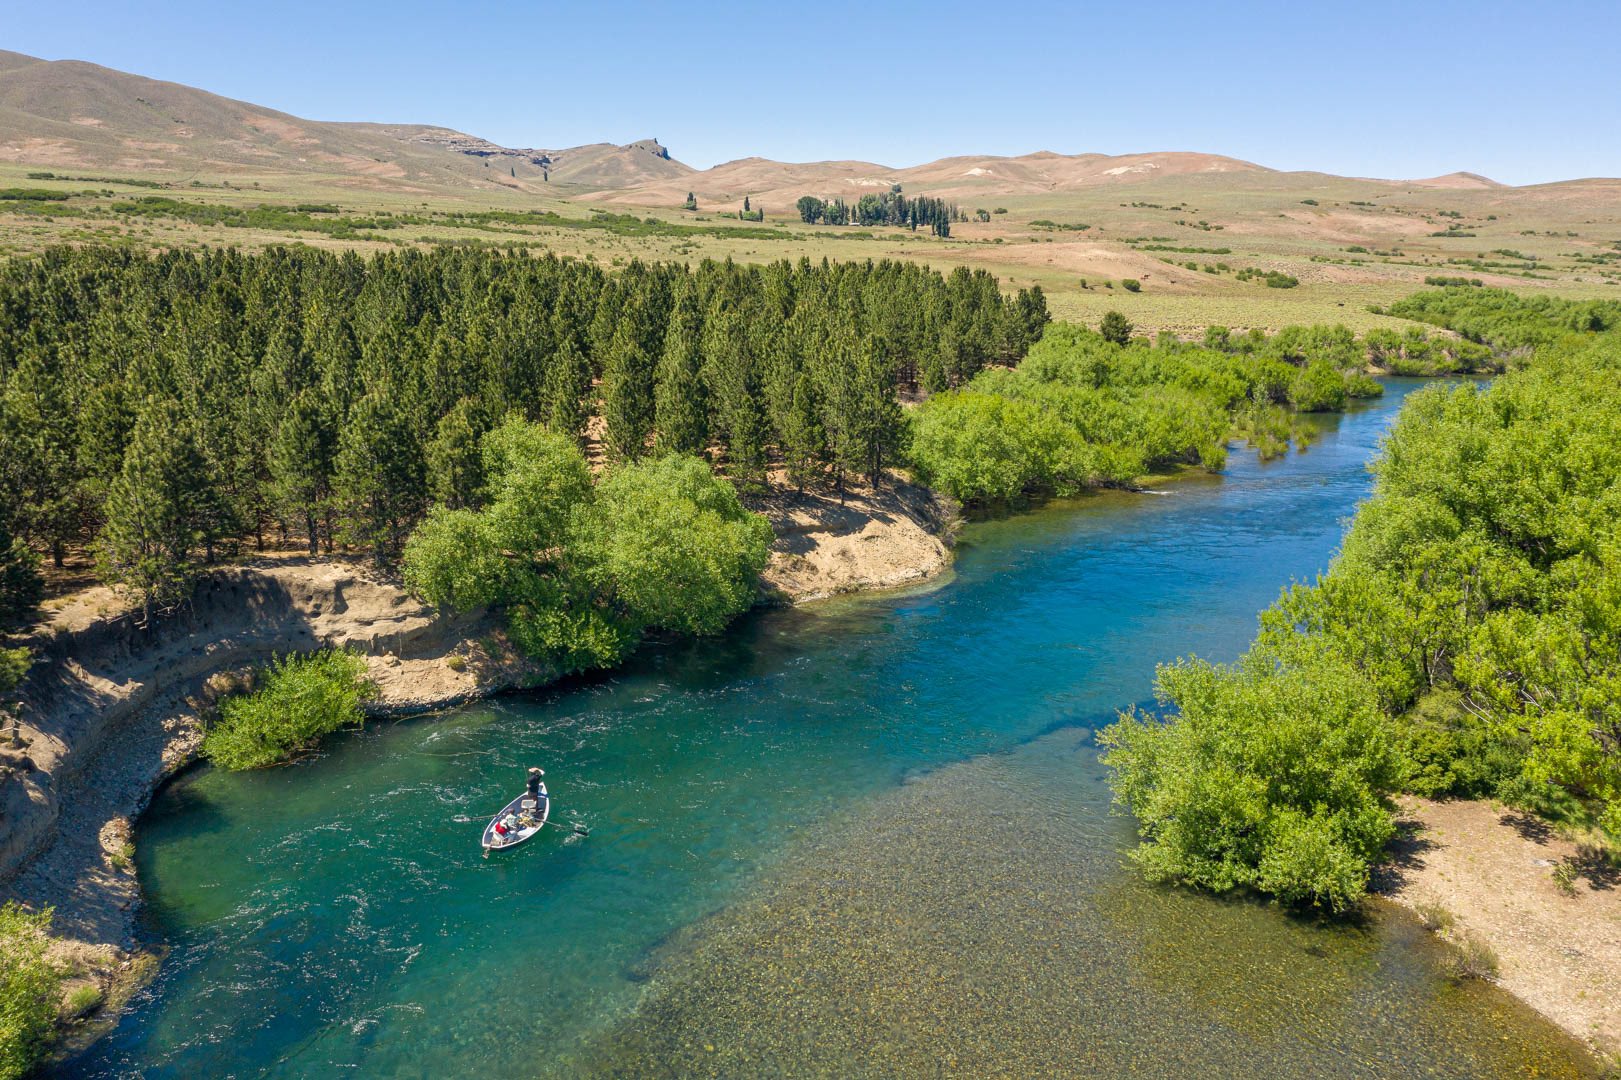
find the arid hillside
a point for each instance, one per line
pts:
(952, 177)
(71, 114)
(92, 155)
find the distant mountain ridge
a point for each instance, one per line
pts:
(69, 113)
(73, 114)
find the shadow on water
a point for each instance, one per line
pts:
(870, 826)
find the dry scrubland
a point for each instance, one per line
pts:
(1563, 238)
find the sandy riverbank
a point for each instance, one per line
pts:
(112, 708)
(1491, 871)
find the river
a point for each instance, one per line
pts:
(865, 837)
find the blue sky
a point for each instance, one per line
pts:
(1523, 92)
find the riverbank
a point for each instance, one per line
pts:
(113, 708)
(884, 538)
(1476, 869)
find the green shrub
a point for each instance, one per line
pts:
(299, 699)
(1272, 774)
(1131, 285)
(679, 548)
(1115, 328)
(1465, 641)
(1434, 918)
(1473, 958)
(1317, 387)
(30, 987)
(1452, 751)
(581, 571)
(1090, 408)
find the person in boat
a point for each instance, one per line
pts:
(506, 828)
(534, 797)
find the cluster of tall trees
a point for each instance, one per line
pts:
(885, 208)
(814, 211)
(1466, 641)
(163, 406)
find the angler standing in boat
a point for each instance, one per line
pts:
(523, 817)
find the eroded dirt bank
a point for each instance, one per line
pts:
(113, 706)
(872, 539)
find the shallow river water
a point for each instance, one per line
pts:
(865, 837)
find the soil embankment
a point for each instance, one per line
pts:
(1490, 873)
(871, 539)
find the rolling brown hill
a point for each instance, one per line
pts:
(68, 113)
(954, 177)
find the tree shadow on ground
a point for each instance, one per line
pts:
(1597, 866)
(1404, 856)
(1529, 827)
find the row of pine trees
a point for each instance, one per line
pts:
(164, 406)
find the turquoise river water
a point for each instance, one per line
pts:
(334, 918)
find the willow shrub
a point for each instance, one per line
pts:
(1085, 409)
(298, 700)
(1273, 774)
(1466, 641)
(30, 986)
(582, 570)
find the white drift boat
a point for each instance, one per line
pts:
(522, 818)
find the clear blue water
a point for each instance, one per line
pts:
(334, 918)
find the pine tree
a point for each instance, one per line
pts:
(1030, 319)
(680, 417)
(154, 507)
(627, 396)
(733, 388)
(1116, 328)
(568, 384)
(300, 466)
(455, 468)
(803, 446)
(20, 586)
(877, 424)
(37, 460)
(380, 484)
(837, 393)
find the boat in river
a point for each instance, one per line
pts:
(521, 818)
